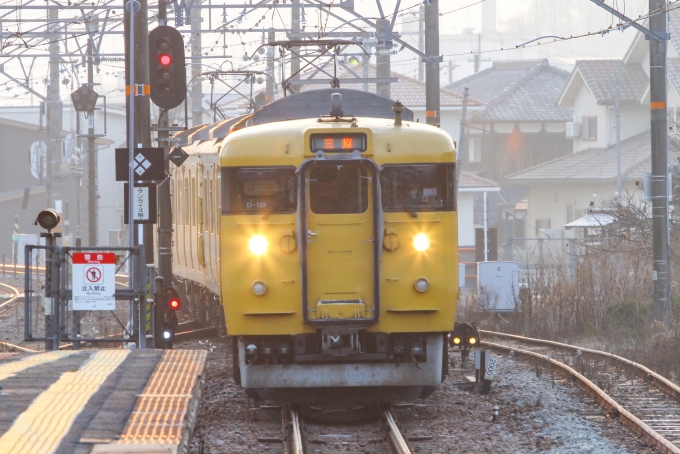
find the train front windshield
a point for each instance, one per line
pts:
(418, 187)
(254, 190)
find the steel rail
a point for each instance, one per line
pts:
(398, 441)
(13, 298)
(296, 436)
(662, 382)
(9, 347)
(649, 434)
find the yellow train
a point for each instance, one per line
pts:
(328, 244)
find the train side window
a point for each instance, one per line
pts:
(258, 190)
(341, 189)
(418, 187)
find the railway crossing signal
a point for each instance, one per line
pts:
(167, 72)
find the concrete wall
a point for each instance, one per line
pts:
(466, 223)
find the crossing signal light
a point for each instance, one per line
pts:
(173, 299)
(167, 72)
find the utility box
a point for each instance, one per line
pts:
(498, 286)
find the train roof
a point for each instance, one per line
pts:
(309, 104)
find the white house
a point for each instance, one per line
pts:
(560, 191)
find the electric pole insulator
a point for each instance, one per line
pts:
(167, 71)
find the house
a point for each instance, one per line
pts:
(520, 124)
(562, 190)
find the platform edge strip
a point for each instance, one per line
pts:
(48, 419)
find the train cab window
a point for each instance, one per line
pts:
(341, 189)
(418, 187)
(259, 190)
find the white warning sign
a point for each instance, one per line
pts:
(94, 281)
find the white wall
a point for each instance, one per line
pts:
(109, 217)
(450, 120)
(585, 105)
(634, 120)
(549, 201)
(466, 227)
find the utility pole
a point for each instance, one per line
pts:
(54, 111)
(196, 60)
(657, 97)
(139, 129)
(421, 39)
(269, 82)
(382, 59)
(432, 59)
(619, 183)
(295, 50)
(91, 158)
(461, 137)
(478, 55)
(658, 41)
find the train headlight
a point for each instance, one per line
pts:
(258, 245)
(421, 285)
(456, 340)
(259, 288)
(472, 341)
(421, 242)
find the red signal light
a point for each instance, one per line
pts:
(174, 304)
(165, 59)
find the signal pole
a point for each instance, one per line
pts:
(269, 82)
(432, 59)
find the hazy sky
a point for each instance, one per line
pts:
(517, 21)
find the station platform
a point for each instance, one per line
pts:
(99, 401)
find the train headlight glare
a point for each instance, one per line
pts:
(166, 335)
(472, 341)
(258, 245)
(259, 288)
(422, 285)
(421, 242)
(456, 340)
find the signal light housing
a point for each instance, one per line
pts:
(167, 72)
(464, 335)
(172, 296)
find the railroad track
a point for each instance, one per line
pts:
(638, 396)
(15, 294)
(375, 431)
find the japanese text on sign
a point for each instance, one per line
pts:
(93, 281)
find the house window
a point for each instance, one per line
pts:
(589, 128)
(475, 150)
(542, 224)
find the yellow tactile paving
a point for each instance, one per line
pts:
(10, 369)
(41, 427)
(159, 413)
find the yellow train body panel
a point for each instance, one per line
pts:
(278, 311)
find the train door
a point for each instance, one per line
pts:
(340, 222)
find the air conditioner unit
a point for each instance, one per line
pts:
(573, 130)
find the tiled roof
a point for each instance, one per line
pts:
(673, 71)
(469, 180)
(594, 164)
(532, 97)
(674, 27)
(518, 91)
(600, 76)
(487, 84)
(411, 92)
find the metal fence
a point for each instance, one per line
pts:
(49, 315)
